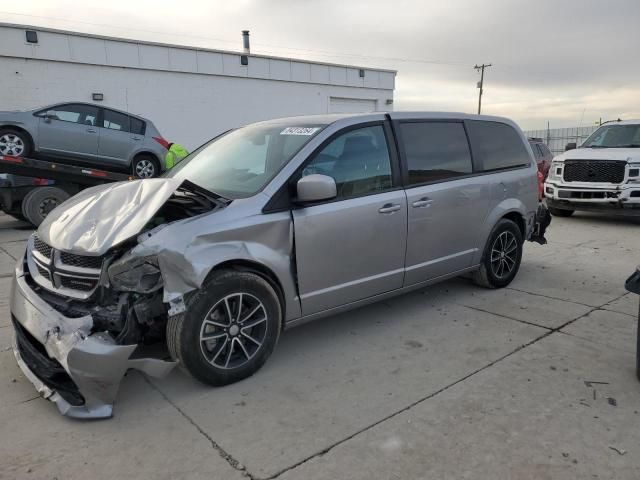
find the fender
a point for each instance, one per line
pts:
(504, 208)
(184, 268)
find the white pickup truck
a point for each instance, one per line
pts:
(603, 174)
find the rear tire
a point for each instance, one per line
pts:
(40, 201)
(502, 256)
(145, 166)
(14, 143)
(560, 212)
(219, 343)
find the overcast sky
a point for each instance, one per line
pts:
(569, 62)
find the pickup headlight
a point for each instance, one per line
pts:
(555, 172)
(135, 274)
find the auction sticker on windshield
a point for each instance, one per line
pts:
(299, 131)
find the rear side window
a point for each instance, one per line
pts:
(545, 150)
(537, 151)
(137, 126)
(498, 145)
(115, 121)
(435, 151)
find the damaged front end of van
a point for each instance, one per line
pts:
(87, 298)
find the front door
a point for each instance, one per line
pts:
(117, 143)
(70, 132)
(447, 204)
(352, 247)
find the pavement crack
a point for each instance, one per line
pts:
(556, 298)
(2, 249)
(235, 464)
(408, 407)
(550, 331)
(504, 316)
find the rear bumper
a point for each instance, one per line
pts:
(77, 370)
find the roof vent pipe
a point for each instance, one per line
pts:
(245, 42)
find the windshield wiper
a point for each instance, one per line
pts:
(194, 189)
(629, 145)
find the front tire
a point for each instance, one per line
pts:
(230, 328)
(502, 256)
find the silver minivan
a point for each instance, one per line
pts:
(265, 227)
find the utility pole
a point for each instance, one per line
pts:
(481, 68)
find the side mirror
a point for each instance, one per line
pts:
(570, 146)
(316, 187)
(49, 115)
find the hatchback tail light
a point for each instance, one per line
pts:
(162, 142)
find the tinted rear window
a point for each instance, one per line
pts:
(497, 144)
(435, 151)
(137, 126)
(115, 121)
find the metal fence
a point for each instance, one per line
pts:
(557, 138)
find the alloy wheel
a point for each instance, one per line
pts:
(233, 331)
(145, 169)
(11, 144)
(504, 253)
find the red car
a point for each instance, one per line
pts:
(543, 155)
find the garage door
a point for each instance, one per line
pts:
(351, 105)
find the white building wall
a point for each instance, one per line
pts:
(191, 95)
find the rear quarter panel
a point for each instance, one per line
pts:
(511, 191)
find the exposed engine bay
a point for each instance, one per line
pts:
(126, 300)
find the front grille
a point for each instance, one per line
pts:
(41, 247)
(63, 272)
(48, 370)
(606, 171)
(43, 271)
(82, 261)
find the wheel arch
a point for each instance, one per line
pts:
(149, 153)
(512, 209)
(259, 269)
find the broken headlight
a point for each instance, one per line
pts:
(135, 274)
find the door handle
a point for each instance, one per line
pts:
(389, 208)
(91, 130)
(135, 138)
(422, 203)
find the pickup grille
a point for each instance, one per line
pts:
(605, 171)
(62, 272)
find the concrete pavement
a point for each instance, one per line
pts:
(450, 382)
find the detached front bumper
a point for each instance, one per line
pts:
(584, 196)
(77, 370)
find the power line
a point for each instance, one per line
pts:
(282, 47)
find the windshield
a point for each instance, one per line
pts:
(612, 136)
(240, 163)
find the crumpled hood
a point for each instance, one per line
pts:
(101, 217)
(627, 154)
